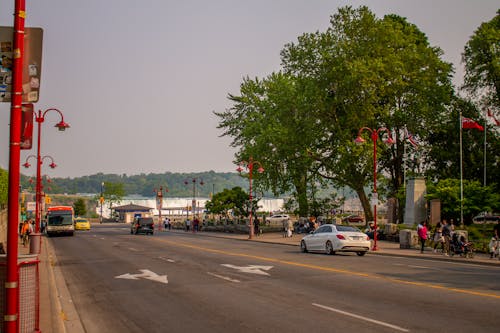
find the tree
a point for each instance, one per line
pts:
(80, 207)
(270, 121)
(477, 198)
(482, 63)
(376, 73)
(113, 192)
(234, 200)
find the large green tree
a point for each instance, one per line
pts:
(376, 73)
(113, 192)
(234, 200)
(482, 63)
(272, 120)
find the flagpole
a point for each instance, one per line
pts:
(485, 130)
(461, 175)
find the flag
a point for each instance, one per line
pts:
(490, 114)
(468, 123)
(411, 140)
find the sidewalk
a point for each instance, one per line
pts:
(384, 247)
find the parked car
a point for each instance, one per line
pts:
(331, 238)
(486, 218)
(352, 219)
(142, 225)
(81, 223)
(277, 218)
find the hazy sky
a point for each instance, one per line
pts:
(138, 80)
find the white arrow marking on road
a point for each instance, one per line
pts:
(251, 269)
(146, 274)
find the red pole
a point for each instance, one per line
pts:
(374, 139)
(12, 278)
(38, 196)
(250, 224)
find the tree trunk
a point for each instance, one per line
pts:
(365, 203)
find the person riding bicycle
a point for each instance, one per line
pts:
(26, 230)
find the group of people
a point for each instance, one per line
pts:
(25, 229)
(167, 223)
(192, 225)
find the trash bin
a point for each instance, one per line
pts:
(28, 292)
(35, 243)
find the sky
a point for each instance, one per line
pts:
(138, 81)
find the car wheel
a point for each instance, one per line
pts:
(361, 253)
(329, 248)
(303, 246)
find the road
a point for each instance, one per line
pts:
(185, 282)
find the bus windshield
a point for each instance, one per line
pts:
(60, 218)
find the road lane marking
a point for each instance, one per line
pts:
(146, 274)
(329, 269)
(223, 277)
(374, 321)
(133, 249)
(251, 269)
(415, 266)
(166, 259)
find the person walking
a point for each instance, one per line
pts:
(438, 237)
(289, 230)
(446, 232)
(495, 241)
(256, 226)
(422, 235)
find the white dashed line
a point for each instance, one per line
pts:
(397, 328)
(223, 277)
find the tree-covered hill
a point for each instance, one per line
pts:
(144, 184)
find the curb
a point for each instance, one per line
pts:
(378, 253)
(67, 317)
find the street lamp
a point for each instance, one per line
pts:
(249, 166)
(193, 203)
(374, 134)
(38, 187)
(159, 203)
(101, 200)
(61, 126)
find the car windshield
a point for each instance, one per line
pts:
(347, 228)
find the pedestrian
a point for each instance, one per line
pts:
(188, 224)
(256, 226)
(495, 241)
(422, 235)
(446, 232)
(289, 231)
(438, 237)
(165, 223)
(196, 224)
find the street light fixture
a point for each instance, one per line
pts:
(159, 203)
(61, 126)
(249, 165)
(193, 203)
(38, 188)
(374, 135)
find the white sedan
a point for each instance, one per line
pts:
(331, 238)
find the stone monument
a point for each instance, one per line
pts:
(415, 208)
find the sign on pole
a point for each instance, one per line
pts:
(32, 63)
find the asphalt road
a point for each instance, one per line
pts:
(184, 282)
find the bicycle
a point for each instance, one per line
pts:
(25, 239)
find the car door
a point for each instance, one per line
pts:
(317, 238)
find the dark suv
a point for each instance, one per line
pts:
(142, 225)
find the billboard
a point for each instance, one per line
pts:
(32, 63)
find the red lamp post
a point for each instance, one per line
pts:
(11, 285)
(61, 126)
(249, 165)
(193, 203)
(159, 204)
(38, 188)
(374, 134)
